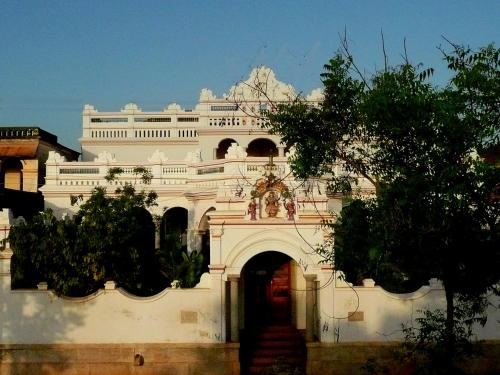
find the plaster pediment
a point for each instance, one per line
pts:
(131, 107)
(283, 241)
(55, 158)
(105, 157)
(158, 157)
(262, 85)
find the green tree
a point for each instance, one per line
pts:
(44, 251)
(109, 238)
(116, 233)
(433, 213)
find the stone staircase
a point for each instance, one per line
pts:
(273, 349)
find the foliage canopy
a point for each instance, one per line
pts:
(418, 145)
(435, 207)
(111, 237)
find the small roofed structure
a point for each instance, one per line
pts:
(23, 153)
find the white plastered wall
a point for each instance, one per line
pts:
(112, 316)
(198, 315)
(369, 313)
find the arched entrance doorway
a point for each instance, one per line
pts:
(270, 329)
(267, 279)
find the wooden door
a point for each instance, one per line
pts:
(279, 294)
(267, 289)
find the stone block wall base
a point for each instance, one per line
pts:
(348, 359)
(120, 359)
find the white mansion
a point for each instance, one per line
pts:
(208, 159)
(207, 164)
(216, 169)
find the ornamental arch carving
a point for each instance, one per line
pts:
(271, 240)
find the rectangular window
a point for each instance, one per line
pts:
(187, 119)
(109, 119)
(233, 107)
(210, 170)
(153, 119)
(79, 171)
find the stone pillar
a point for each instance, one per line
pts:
(30, 175)
(5, 281)
(157, 220)
(156, 171)
(281, 151)
(188, 237)
(216, 233)
(310, 294)
(218, 303)
(195, 239)
(6, 219)
(234, 317)
(157, 237)
(324, 303)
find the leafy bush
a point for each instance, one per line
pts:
(427, 348)
(109, 238)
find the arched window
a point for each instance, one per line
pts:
(262, 147)
(222, 147)
(203, 229)
(175, 261)
(173, 231)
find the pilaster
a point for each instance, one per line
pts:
(310, 297)
(5, 275)
(234, 316)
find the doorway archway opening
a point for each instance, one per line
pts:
(270, 325)
(267, 281)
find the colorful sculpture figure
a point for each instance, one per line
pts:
(290, 209)
(272, 203)
(252, 209)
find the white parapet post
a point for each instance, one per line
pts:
(5, 277)
(325, 303)
(6, 220)
(218, 303)
(310, 297)
(234, 314)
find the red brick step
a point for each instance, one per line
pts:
(272, 345)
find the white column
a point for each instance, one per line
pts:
(325, 301)
(196, 239)
(5, 277)
(157, 236)
(310, 292)
(218, 302)
(234, 317)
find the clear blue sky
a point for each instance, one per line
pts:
(58, 55)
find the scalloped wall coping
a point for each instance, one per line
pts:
(121, 291)
(419, 293)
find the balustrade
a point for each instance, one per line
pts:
(93, 174)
